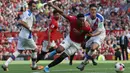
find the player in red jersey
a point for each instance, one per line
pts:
(72, 43)
(49, 43)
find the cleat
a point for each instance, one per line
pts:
(37, 68)
(95, 63)
(5, 68)
(46, 69)
(40, 67)
(82, 66)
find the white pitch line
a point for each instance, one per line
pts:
(35, 72)
(70, 70)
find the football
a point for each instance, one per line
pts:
(119, 67)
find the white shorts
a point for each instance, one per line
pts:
(94, 40)
(70, 46)
(45, 44)
(26, 44)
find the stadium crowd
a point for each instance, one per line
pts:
(115, 12)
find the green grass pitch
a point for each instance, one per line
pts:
(64, 67)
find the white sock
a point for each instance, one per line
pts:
(15, 54)
(34, 58)
(85, 59)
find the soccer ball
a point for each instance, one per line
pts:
(119, 67)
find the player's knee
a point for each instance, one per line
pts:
(94, 46)
(59, 49)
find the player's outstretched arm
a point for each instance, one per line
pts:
(58, 9)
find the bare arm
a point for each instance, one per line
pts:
(24, 24)
(96, 33)
(58, 9)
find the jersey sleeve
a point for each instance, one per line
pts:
(100, 26)
(101, 23)
(24, 17)
(70, 18)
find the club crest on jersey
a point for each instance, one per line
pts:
(52, 26)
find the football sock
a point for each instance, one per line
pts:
(58, 60)
(34, 58)
(41, 56)
(88, 56)
(71, 59)
(92, 59)
(14, 55)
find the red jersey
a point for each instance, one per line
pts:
(73, 25)
(53, 26)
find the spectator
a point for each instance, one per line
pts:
(124, 45)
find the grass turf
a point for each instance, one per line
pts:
(64, 67)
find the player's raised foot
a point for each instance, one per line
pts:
(82, 65)
(37, 68)
(95, 63)
(40, 67)
(5, 68)
(46, 69)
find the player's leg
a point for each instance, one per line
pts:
(30, 44)
(34, 59)
(41, 56)
(56, 61)
(87, 48)
(71, 59)
(87, 57)
(14, 55)
(90, 57)
(51, 51)
(64, 43)
(94, 44)
(43, 51)
(68, 52)
(10, 59)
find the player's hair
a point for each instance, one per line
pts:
(55, 11)
(31, 2)
(92, 5)
(80, 15)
